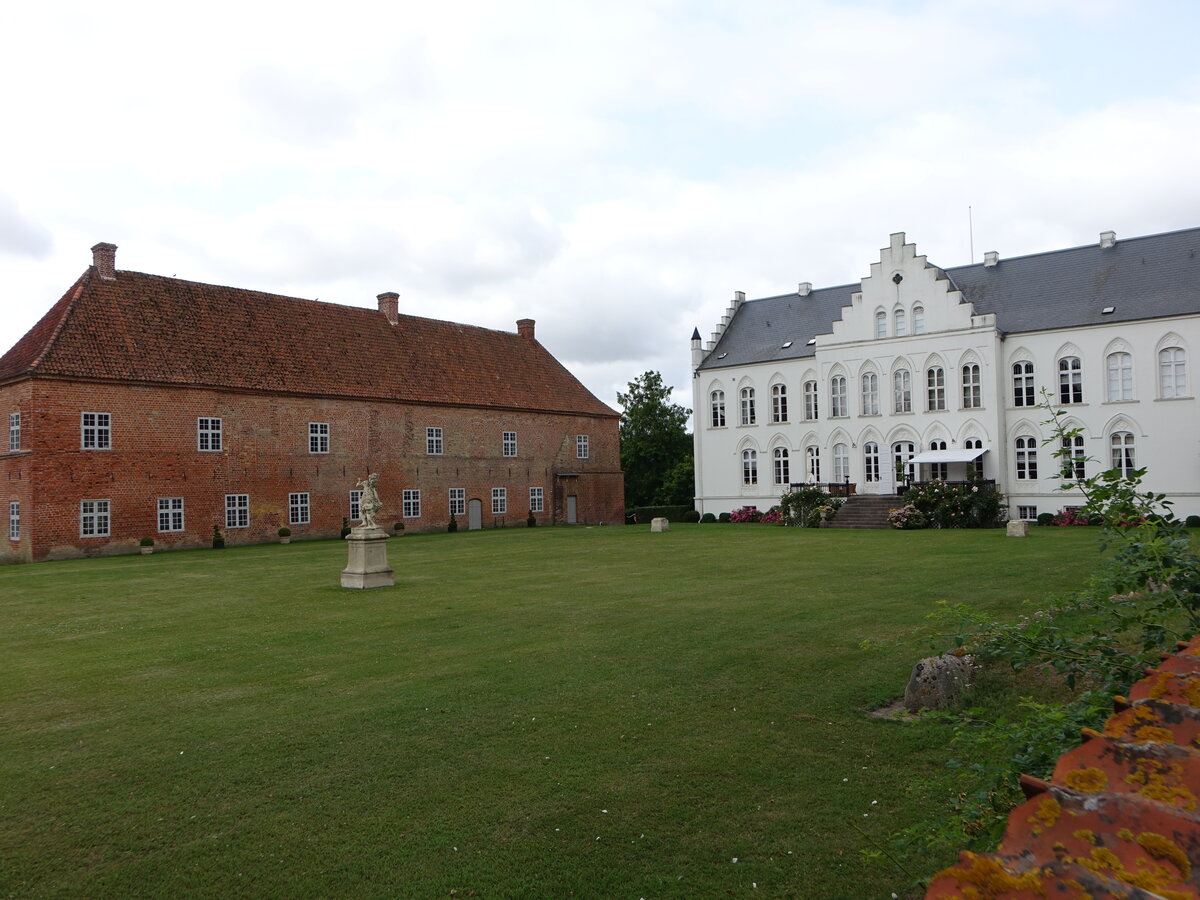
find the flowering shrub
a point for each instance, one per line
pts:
(745, 514)
(907, 517)
(957, 505)
(806, 507)
(772, 516)
(1067, 517)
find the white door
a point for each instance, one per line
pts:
(572, 518)
(474, 515)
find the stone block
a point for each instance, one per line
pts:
(659, 524)
(1018, 529)
(368, 565)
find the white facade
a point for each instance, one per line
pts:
(914, 358)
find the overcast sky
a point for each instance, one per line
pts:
(613, 170)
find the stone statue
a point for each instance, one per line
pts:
(369, 504)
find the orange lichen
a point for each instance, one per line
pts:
(1164, 848)
(985, 878)
(1089, 780)
(1163, 782)
(1045, 815)
(1125, 834)
(1154, 878)
(1148, 733)
(1086, 835)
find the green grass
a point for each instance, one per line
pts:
(558, 712)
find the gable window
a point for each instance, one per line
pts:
(716, 402)
(96, 431)
(581, 446)
(972, 396)
(935, 388)
(1070, 380)
(237, 510)
(499, 501)
(871, 461)
(837, 395)
(779, 410)
(918, 319)
(170, 514)
(1073, 457)
(870, 394)
(1172, 374)
(810, 400)
(901, 391)
(298, 509)
(841, 463)
(1122, 452)
(208, 435)
(537, 500)
(458, 501)
(881, 324)
(94, 518)
(898, 320)
(509, 443)
(433, 441)
(1120, 376)
(977, 463)
(782, 463)
(812, 460)
(1026, 458)
(747, 406)
(938, 471)
(749, 467)
(14, 520)
(14, 431)
(1023, 386)
(318, 437)
(355, 505)
(412, 504)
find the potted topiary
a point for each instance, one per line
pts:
(147, 544)
(218, 538)
(285, 535)
(398, 527)
(453, 526)
(530, 521)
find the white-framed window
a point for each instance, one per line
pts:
(838, 405)
(95, 431)
(749, 467)
(1172, 374)
(1024, 390)
(537, 500)
(318, 437)
(1027, 513)
(938, 471)
(716, 402)
(1120, 376)
(975, 444)
(747, 397)
(94, 518)
(1070, 380)
(902, 454)
(355, 505)
(783, 466)
(14, 520)
(499, 501)
(170, 514)
(918, 319)
(1073, 463)
(812, 462)
(412, 504)
(433, 441)
(237, 510)
(1122, 447)
(871, 461)
(841, 463)
(881, 324)
(870, 394)
(582, 451)
(458, 501)
(935, 388)
(208, 434)
(972, 391)
(1026, 458)
(900, 323)
(810, 400)
(509, 443)
(14, 431)
(779, 406)
(298, 509)
(901, 391)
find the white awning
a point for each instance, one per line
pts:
(948, 456)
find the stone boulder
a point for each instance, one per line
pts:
(938, 682)
(659, 524)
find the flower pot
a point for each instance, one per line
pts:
(285, 540)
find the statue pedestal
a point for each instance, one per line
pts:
(368, 565)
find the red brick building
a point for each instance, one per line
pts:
(144, 406)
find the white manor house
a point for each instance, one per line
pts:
(923, 373)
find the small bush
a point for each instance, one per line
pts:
(907, 517)
(706, 518)
(147, 542)
(285, 531)
(1193, 522)
(1069, 517)
(692, 515)
(1045, 518)
(724, 517)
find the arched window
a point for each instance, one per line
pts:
(870, 394)
(1172, 373)
(1120, 376)
(837, 395)
(902, 454)
(810, 400)
(935, 388)
(1026, 458)
(901, 391)
(901, 326)
(881, 324)
(813, 460)
(1023, 387)
(779, 403)
(1070, 380)
(871, 461)
(1073, 458)
(972, 394)
(918, 319)
(938, 471)
(748, 406)
(717, 404)
(749, 467)
(975, 444)
(1122, 452)
(783, 474)
(841, 463)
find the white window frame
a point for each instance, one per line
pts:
(208, 434)
(747, 407)
(871, 462)
(14, 431)
(170, 514)
(838, 402)
(458, 501)
(1027, 513)
(841, 463)
(237, 510)
(434, 445)
(918, 319)
(499, 501)
(782, 465)
(902, 391)
(870, 394)
(1024, 389)
(95, 431)
(972, 386)
(938, 471)
(779, 403)
(411, 500)
(812, 406)
(299, 508)
(537, 500)
(1025, 457)
(1074, 460)
(812, 464)
(1172, 373)
(975, 444)
(14, 520)
(716, 401)
(355, 505)
(1070, 380)
(95, 518)
(318, 437)
(900, 323)
(508, 443)
(881, 324)
(1123, 446)
(749, 467)
(935, 389)
(582, 450)
(1119, 368)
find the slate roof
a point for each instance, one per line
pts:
(153, 329)
(1142, 278)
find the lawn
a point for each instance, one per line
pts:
(588, 712)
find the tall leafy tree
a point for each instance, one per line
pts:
(654, 441)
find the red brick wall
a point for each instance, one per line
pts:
(265, 455)
(15, 470)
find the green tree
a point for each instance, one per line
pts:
(654, 439)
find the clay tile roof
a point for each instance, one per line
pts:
(149, 328)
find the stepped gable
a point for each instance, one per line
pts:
(1119, 816)
(135, 327)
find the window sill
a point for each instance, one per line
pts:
(1167, 399)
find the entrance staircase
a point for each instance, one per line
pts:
(865, 511)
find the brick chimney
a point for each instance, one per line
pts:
(525, 328)
(389, 305)
(104, 260)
